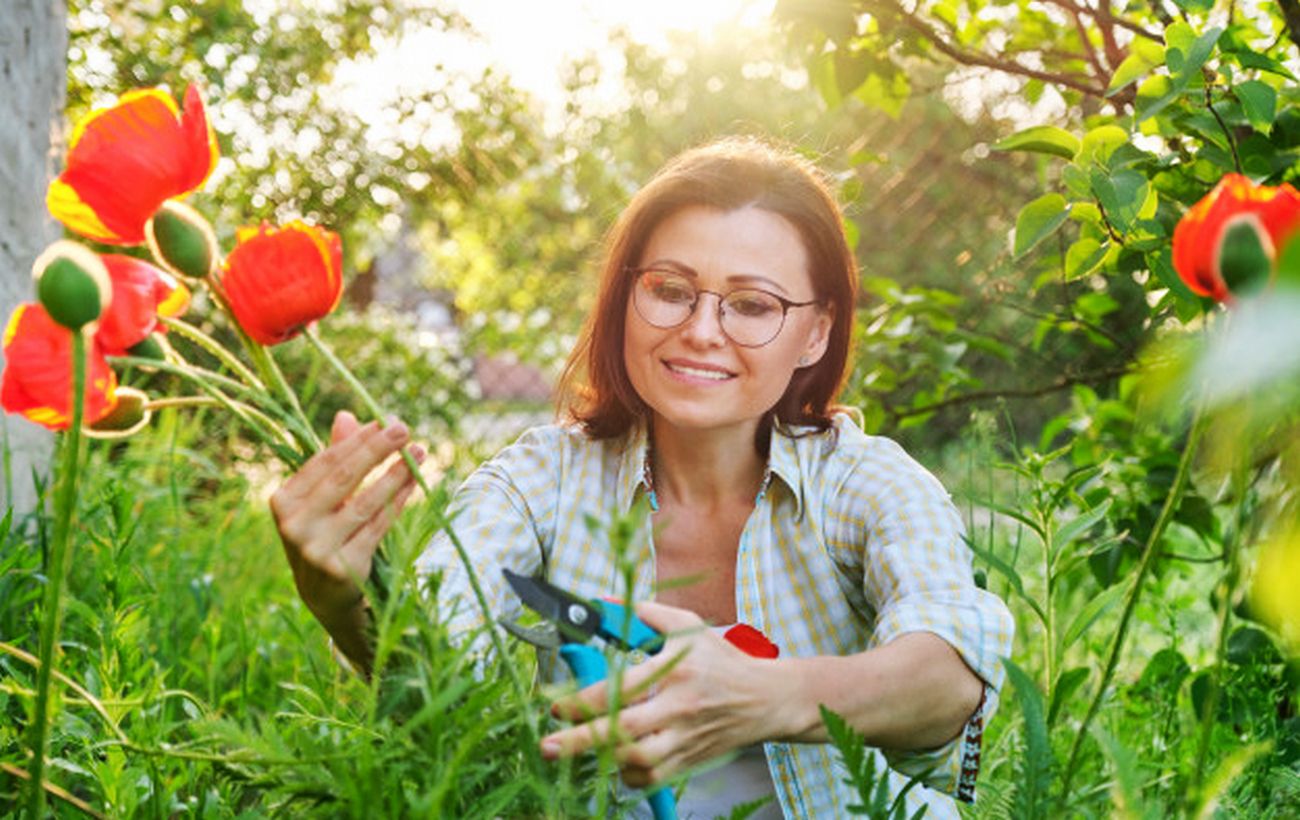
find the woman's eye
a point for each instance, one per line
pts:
(751, 306)
(675, 292)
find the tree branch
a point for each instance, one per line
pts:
(980, 59)
(1063, 383)
(1291, 17)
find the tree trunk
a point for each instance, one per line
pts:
(33, 81)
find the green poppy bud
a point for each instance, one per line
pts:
(182, 240)
(72, 284)
(129, 415)
(1245, 262)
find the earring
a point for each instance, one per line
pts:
(803, 361)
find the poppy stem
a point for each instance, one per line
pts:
(65, 499)
(1150, 554)
(269, 371)
(214, 347)
(479, 596)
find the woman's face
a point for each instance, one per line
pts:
(694, 377)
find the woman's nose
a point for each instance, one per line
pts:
(705, 323)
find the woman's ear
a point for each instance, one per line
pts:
(819, 336)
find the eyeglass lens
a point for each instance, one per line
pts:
(749, 317)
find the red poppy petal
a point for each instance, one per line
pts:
(37, 381)
(138, 288)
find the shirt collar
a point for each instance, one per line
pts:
(783, 463)
(632, 467)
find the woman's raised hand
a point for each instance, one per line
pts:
(331, 524)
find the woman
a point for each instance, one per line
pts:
(704, 383)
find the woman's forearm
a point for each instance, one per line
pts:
(913, 693)
(352, 630)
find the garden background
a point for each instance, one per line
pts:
(1012, 172)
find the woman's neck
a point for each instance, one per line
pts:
(705, 467)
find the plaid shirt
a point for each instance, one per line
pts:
(851, 543)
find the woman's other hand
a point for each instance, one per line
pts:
(698, 698)
(331, 524)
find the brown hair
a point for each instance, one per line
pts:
(728, 174)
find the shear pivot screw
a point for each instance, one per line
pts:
(577, 614)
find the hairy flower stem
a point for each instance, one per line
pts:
(1150, 553)
(479, 596)
(65, 499)
(1231, 576)
(269, 371)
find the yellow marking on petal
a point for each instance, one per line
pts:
(66, 205)
(177, 301)
(46, 416)
(11, 329)
(247, 232)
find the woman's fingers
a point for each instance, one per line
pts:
(345, 424)
(332, 475)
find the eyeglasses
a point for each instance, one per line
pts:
(748, 316)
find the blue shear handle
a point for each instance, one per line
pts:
(588, 666)
(618, 625)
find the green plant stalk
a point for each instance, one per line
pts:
(272, 374)
(65, 499)
(1230, 579)
(1149, 555)
(267, 368)
(479, 596)
(1049, 626)
(214, 347)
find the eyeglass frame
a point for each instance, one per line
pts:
(785, 303)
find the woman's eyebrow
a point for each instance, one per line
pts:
(749, 279)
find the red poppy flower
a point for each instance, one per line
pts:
(751, 641)
(37, 379)
(126, 160)
(141, 293)
(1272, 212)
(278, 280)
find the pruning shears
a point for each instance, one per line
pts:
(572, 623)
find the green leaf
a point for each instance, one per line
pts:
(1197, 54)
(1195, 6)
(1037, 761)
(1083, 257)
(1041, 139)
(1259, 102)
(1154, 95)
(1066, 685)
(1078, 526)
(1251, 646)
(1179, 35)
(1099, 143)
(1094, 609)
(1122, 195)
(1009, 572)
(1263, 62)
(1138, 62)
(1039, 220)
(1161, 264)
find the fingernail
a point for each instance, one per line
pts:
(550, 748)
(397, 432)
(418, 453)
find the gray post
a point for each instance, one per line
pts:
(33, 82)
